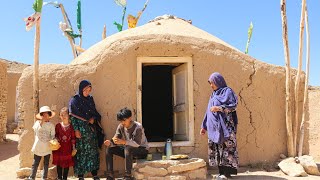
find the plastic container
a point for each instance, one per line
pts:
(168, 148)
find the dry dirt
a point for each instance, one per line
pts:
(9, 163)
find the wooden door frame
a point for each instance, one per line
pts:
(168, 60)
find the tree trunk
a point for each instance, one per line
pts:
(297, 84)
(290, 146)
(36, 70)
(304, 107)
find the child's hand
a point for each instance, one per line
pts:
(77, 134)
(107, 143)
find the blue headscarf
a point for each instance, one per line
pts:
(83, 107)
(223, 96)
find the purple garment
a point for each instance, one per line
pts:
(214, 122)
(218, 80)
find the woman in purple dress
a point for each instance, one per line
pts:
(220, 121)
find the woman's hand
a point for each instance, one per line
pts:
(91, 120)
(107, 143)
(216, 109)
(202, 131)
(77, 134)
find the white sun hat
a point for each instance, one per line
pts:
(45, 109)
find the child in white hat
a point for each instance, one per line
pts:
(44, 132)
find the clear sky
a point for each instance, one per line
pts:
(226, 19)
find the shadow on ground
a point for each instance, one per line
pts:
(264, 177)
(248, 173)
(8, 149)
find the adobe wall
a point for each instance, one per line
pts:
(259, 86)
(13, 78)
(3, 99)
(313, 124)
(14, 71)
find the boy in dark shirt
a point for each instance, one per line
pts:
(129, 141)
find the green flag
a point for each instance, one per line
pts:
(119, 26)
(249, 37)
(123, 4)
(37, 5)
(79, 15)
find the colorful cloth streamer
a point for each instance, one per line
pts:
(79, 15)
(122, 3)
(132, 20)
(249, 38)
(31, 20)
(37, 5)
(55, 4)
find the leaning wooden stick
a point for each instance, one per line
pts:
(304, 106)
(71, 40)
(35, 19)
(36, 69)
(298, 77)
(290, 145)
(104, 32)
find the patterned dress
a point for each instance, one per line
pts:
(87, 157)
(225, 155)
(65, 135)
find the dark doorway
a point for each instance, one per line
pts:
(157, 111)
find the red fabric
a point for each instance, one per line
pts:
(62, 157)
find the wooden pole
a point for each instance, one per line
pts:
(290, 146)
(304, 107)
(80, 32)
(36, 69)
(69, 38)
(104, 32)
(297, 83)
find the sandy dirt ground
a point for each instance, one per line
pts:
(9, 163)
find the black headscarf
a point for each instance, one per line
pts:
(83, 107)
